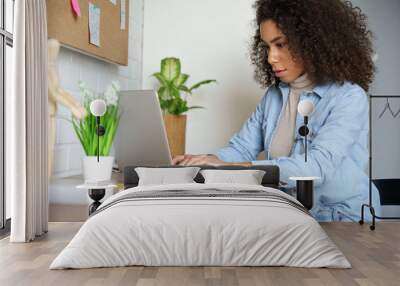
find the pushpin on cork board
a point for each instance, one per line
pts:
(75, 8)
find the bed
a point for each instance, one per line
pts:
(201, 224)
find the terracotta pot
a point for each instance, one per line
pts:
(175, 126)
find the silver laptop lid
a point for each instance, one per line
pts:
(141, 138)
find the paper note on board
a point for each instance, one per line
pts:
(123, 8)
(94, 24)
(114, 2)
(75, 7)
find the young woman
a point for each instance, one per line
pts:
(320, 51)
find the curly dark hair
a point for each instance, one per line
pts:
(330, 36)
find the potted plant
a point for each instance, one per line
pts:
(172, 103)
(85, 130)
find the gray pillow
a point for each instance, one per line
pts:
(165, 176)
(248, 177)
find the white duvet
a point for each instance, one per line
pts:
(200, 231)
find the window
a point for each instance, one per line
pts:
(6, 45)
(9, 16)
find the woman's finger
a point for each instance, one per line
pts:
(177, 159)
(181, 158)
(188, 160)
(201, 160)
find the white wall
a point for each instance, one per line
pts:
(72, 67)
(384, 22)
(211, 38)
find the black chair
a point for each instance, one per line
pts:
(389, 191)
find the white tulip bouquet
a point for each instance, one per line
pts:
(85, 128)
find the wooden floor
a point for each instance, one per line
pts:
(374, 255)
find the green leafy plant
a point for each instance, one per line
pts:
(85, 128)
(172, 83)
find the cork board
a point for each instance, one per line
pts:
(73, 31)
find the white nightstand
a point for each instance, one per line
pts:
(96, 193)
(305, 190)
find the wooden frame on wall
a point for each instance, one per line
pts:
(73, 32)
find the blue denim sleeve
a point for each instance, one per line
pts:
(245, 145)
(342, 128)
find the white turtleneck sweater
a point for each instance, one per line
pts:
(283, 139)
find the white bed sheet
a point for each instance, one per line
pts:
(200, 231)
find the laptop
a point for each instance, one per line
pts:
(141, 139)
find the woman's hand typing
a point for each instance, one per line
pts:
(204, 159)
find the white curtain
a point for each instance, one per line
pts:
(26, 147)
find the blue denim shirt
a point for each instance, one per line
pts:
(337, 147)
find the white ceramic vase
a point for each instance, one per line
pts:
(94, 171)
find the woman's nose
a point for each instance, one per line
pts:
(273, 56)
